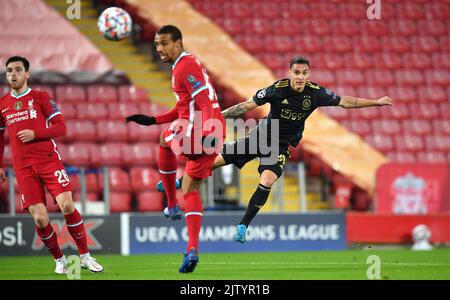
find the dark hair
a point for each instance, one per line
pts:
(26, 63)
(299, 60)
(174, 32)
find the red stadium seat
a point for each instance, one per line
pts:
(119, 202)
(92, 184)
(409, 77)
(438, 77)
(310, 43)
(409, 143)
(132, 94)
(402, 94)
(371, 92)
(120, 111)
(108, 154)
(44, 88)
(399, 112)
(399, 44)
(363, 61)
(81, 131)
(76, 154)
(417, 127)
(437, 11)
(379, 78)
(381, 142)
(388, 127)
(431, 157)
(317, 27)
(403, 27)
(52, 205)
(150, 201)
(144, 179)
(92, 111)
(390, 61)
(68, 110)
(441, 126)
(372, 29)
(258, 26)
(365, 114)
(139, 133)
(251, 43)
(434, 94)
(345, 27)
(335, 112)
(411, 11)
(112, 131)
(119, 180)
(420, 61)
(90, 196)
(70, 94)
(441, 60)
(323, 77)
(428, 111)
(141, 154)
(438, 143)
(331, 61)
(432, 27)
(425, 44)
(101, 93)
(351, 78)
(401, 157)
(359, 127)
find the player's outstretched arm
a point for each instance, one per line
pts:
(239, 109)
(141, 119)
(355, 102)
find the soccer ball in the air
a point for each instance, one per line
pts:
(114, 23)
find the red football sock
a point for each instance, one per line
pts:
(50, 240)
(194, 216)
(75, 226)
(167, 164)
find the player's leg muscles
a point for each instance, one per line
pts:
(259, 197)
(45, 230)
(65, 202)
(40, 215)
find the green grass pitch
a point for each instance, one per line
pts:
(350, 264)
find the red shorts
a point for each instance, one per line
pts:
(31, 181)
(198, 165)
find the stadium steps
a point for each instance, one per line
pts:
(124, 56)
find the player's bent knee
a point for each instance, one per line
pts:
(268, 180)
(65, 202)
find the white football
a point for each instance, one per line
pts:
(114, 23)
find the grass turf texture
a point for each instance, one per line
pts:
(350, 264)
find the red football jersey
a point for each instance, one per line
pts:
(194, 94)
(29, 110)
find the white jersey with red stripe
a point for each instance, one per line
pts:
(194, 93)
(29, 110)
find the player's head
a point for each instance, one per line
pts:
(17, 72)
(299, 70)
(169, 43)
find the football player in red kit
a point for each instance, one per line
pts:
(197, 132)
(26, 114)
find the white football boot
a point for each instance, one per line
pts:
(61, 265)
(88, 262)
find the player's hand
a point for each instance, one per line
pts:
(385, 101)
(26, 135)
(2, 175)
(141, 119)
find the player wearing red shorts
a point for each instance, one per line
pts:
(26, 114)
(197, 132)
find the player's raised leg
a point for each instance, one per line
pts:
(167, 164)
(48, 235)
(76, 229)
(256, 202)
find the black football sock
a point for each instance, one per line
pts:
(257, 201)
